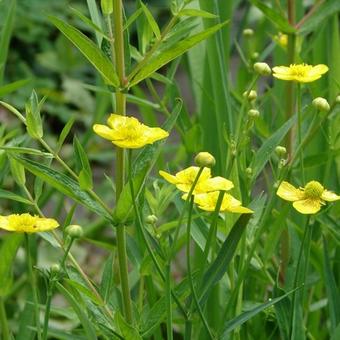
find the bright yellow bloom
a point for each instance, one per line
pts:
(307, 200)
(208, 201)
(185, 178)
(26, 223)
(128, 132)
(301, 73)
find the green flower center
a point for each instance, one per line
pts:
(313, 189)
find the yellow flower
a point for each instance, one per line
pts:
(26, 223)
(307, 200)
(185, 178)
(281, 39)
(128, 132)
(301, 73)
(208, 201)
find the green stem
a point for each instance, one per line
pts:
(169, 326)
(33, 286)
(188, 256)
(3, 321)
(299, 127)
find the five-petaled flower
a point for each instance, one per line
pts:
(26, 223)
(128, 132)
(208, 202)
(302, 73)
(307, 200)
(184, 180)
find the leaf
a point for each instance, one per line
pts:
(10, 196)
(133, 17)
(152, 22)
(332, 289)
(276, 18)
(75, 304)
(64, 184)
(65, 131)
(267, 148)
(8, 250)
(327, 9)
(153, 317)
(175, 51)
(33, 118)
(192, 12)
(30, 151)
(8, 88)
(88, 48)
(220, 265)
(241, 319)
(107, 279)
(128, 332)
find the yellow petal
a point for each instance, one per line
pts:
(154, 134)
(168, 177)
(329, 196)
(240, 210)
(116, 121)
(4, 224)
(307, 206)
(45, 224)
(282, 70)
(283, 76)
(130, 143)
(216, 184)
(288, 192)
(318, 70)
(103, 131)
(308, 79)
(231, 204)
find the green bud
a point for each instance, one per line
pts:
(248, 32)
(262, 69)
(254, 55)
(252, 95)
(253, 113)
(55, 269)
(107, 6)
(249, 171)
(205, 159)
(280, 151)
(321, 104)
(337, 99)
(74, 231)
(151, 219)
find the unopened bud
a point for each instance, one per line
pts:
(249, 171)
(321, 104)
(280, 151)
(262, 68)
(282, 163)
(337, 99)
(74, 231)
(205, 159)
(151, 219)
(252, 95)
(248, 32)
(55, 268)
(253, 113)
(107, 6)
(254, 55)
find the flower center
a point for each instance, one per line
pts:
(131, 131)
(313, 189)
(22, 222)
(300, 70)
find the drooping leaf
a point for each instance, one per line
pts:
(13, 197)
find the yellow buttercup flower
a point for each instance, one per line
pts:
(26, 223)
(307, 200)
(208, 201)
(301, 73)
(185, 178)
(128, 132)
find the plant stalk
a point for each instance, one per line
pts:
(3, 321)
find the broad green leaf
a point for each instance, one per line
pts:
(331, 288)
(161, 59)
(192, 12)
(8, 88)
(220, 265)
(265, 152)
(76, 305)
(276, 18)
(88, 48)
(64, 184)
(8, 250)
(13, 197)
(152, 22)
(326, 9)
(239, 320)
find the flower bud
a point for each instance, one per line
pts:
(280, 151)
(253, 113)
(151, 219)
(248, 32)
(252, 95)
(205, 159)
(337, 99)
(321, 104)
(74, 231)
(55, 269)
(249, 172)
(262, 69)
(282, 163)
(107, 6)
(254, 55)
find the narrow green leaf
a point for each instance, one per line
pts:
(13, 197)
(133, 17)
(276, 18)
(33, 118)
(17, 171)
(8, 250)
(64, 184)
(88, 48)
(107, 279)
(128, 332)
(8, 88)
(65, 131)
(175, 51)
(14, 111)
(152, 22)
(192, 12)
(30, 151)
(84, 290)
(267, 148)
